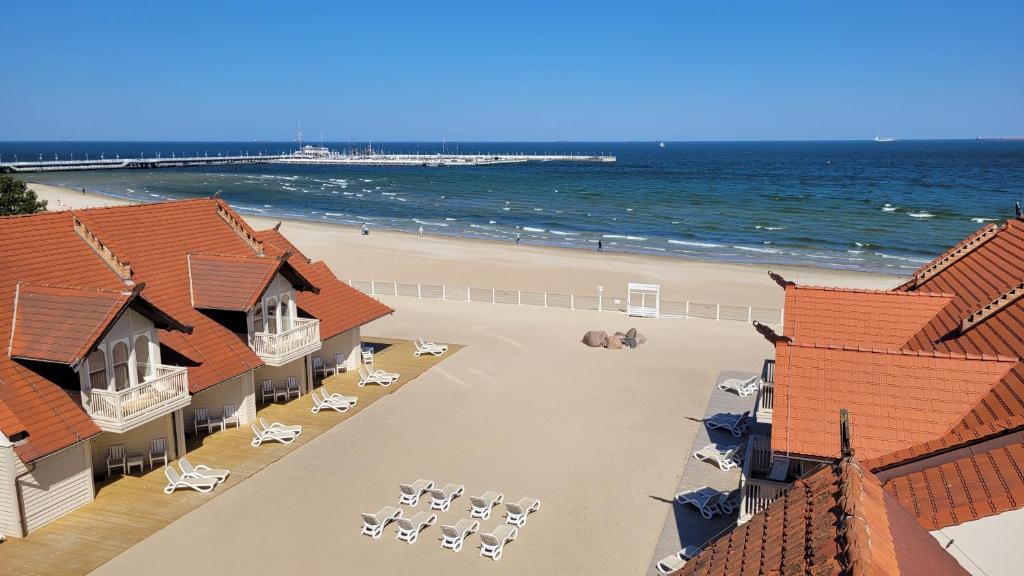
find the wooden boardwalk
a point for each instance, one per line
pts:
(131, 508)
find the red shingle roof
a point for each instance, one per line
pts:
(872, 318)
(220, 282)
(896, 399)
(837, 521)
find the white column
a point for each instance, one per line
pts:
(179, 433)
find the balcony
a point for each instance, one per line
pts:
(279, 349)
(764, 477)
(766, 393)
(164, 391)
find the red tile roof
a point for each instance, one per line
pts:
(155, 239)
(896, 399)
(837, 521)
(873, 318)
(220, 282)
(60, 323)
(338, 306)
(985, 482)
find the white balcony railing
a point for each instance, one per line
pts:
(279, 349)
(162, 392)
(766, 393)
(756, 491)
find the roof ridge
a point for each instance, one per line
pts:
(236, 223)
(948, 442)
(903, 352)
(993, 307)
(121, 268)
(852, 526)
(874, 291)
(954, 254)
(125, 291)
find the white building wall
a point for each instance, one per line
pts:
(237, 391)
(128, 328)
(10, 510)
(56, 485)
(136, 441)
(348, 344)
(296, 368)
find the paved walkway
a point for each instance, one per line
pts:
(131, 508)
(684, 526)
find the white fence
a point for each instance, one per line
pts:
(598, 302)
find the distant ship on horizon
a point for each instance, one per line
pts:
(885, 139)
(661, 144)
(1002, 138)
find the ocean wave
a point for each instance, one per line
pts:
(920, 214)
(560, 233)
(450, 219)
(697, 244)
(982, 220)
(901, 258)
(429, 223)
(333, 214)
(759, 227)
(761, 250)
(623, 237)
(532, 229)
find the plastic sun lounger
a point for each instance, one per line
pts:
(373, 524)
(455, 536)
(441, 498)
(409, 528)
(424, 347)
(283, 436)
(411, 492)
(381, 378)
(516, 512)
(670, 564)
(201, 471)
(482, 504)
(325, 402)
(726, 459)
(735, 425)
(353, 400)
(175, 481)
(742, 387)
(705, 499)
(492, 545)
(377, 372)
(295, 428)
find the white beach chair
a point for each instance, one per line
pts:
(291, 387)
(742, 387)
(115, 459)
(492, 544)
(675, 562)
(323, 401)
(202, 419)
(175, 481)
(367, 355)
(294, 428)
(353, 400)
(455, 536)
(482, 504)
(409, 528)
(157, 451)
(276, 432)
(516, 512)
(727, 458)
(705, 499)
(378, 377)
(424, 347)
(319, 368)
(373, 524)
(340, 363)
(410, 493)
(201, 471)
(735, 425)
(267, 391)
(441, 498)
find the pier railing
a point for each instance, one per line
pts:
(600, 302)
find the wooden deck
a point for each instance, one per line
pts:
(131, 508)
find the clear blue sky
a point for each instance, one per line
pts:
(424, 71)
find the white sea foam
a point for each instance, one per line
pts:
(770, 227)
(620, 236)
(332, 214)
(129, 190)
(429, 223)
(761, 250)
(450, 219)
(531, 229)
(697, 244)
(560, 233)
(982, 220)
(491, 222)
(920, 215)
(888, 208)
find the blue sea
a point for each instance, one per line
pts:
(881, 207)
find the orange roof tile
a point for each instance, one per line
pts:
(223, 282)
(896, 399)
(837, 521)
(884, 319)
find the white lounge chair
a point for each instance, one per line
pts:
(320, 369)
(424, 347)
(324, 401)
(410, 493)
(295, 428)
(735, 425)
(353, 400)
(115, 459)
(175, 481)
(482, 504)
(291, 387)
(675, 562)
(727, 458)
(441, 498)
(373, 524)
(705, 499)
(379, 377)
(201, 471)
(516, 512)
(409, 528)
(491, 545)
(455, 536)
(276, 432)
(740, 386)
(157, 451)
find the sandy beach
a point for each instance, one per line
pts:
(599, 436)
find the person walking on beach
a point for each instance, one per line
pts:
(365, 230)
(600, 246)
(421, 231)
(518, 237)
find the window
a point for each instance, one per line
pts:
(257, 319)
(119, 356)
(142, 367)
(272, 316)
(286, 313)
(98, 370)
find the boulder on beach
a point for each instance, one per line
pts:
(614, 343)
(595, 338)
